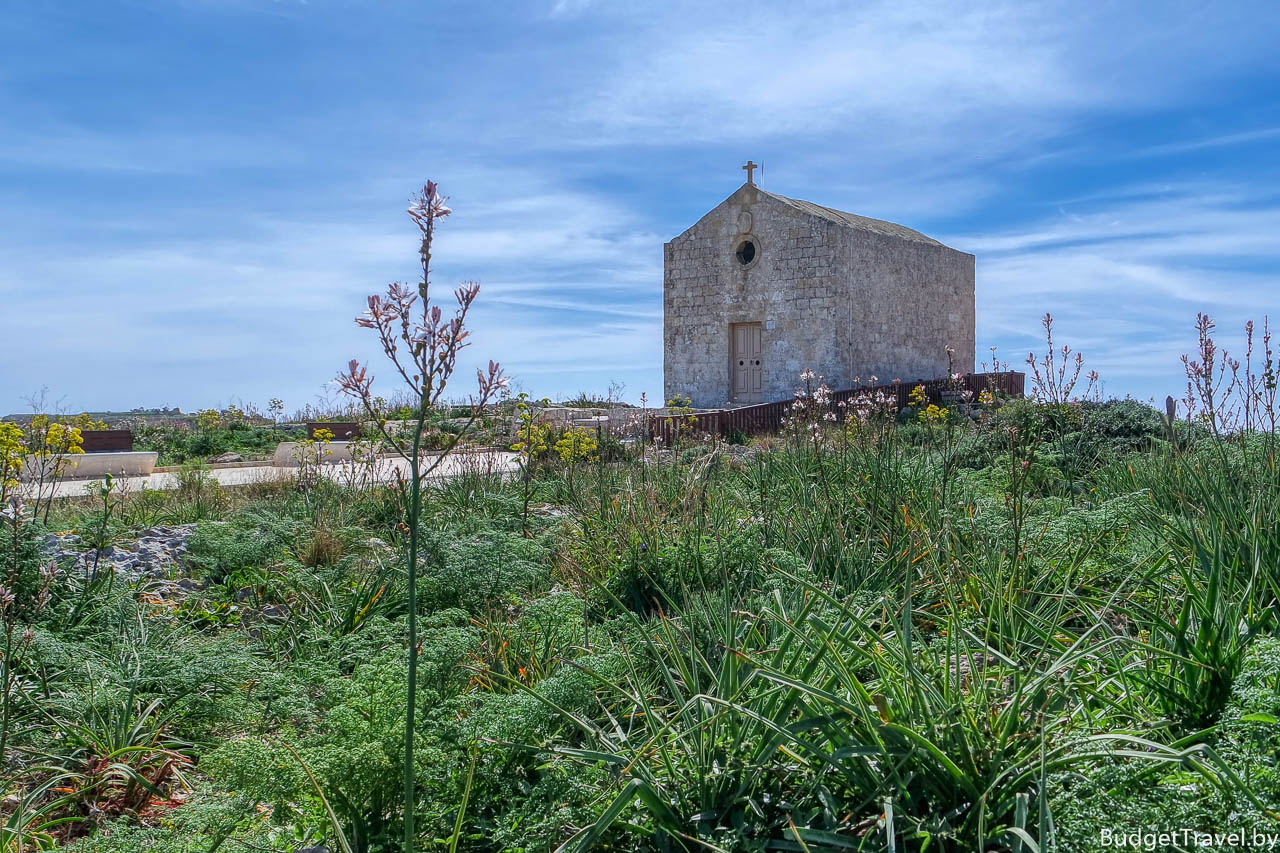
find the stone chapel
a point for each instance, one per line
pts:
(764, 287)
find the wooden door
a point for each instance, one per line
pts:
(745, 357)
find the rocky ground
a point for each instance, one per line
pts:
(155, 553)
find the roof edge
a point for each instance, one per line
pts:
(883, 227)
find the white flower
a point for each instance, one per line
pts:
(15, 509)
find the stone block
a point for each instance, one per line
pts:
(93, 466)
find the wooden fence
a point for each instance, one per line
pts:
(767, 417)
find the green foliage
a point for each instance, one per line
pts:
(956, 635)
(179, 443)
(220, 551)
(492, 567)
(1124, 791)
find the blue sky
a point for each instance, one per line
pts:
(196, 195)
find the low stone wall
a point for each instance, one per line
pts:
(92, 466)
(609, 419)
(286, 455)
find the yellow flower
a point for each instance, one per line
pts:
(934, 415)
(208, 419)
(60, 439)
(13, 452)
(576, 445)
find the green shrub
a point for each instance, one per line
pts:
(208, 820)
(767, 681)
(253, 540)
(472, 571)
(649, 580)
(1122, 793)
(610, 449)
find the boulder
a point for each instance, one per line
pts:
(226, 457)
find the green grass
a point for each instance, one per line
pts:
(903, 637)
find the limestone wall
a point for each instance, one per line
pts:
(843, 302)
(792, 288)
(907, 303)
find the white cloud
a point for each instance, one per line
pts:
(569, 8)
(1125, 277)
(1224, 140)
(570, 284)
(887, 76)
(576, 137)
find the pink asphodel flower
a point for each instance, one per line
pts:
(429, 204)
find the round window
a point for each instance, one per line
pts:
(746, 252)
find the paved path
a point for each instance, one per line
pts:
(497, 462)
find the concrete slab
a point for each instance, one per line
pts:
(95, 466)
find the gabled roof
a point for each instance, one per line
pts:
(852, 220)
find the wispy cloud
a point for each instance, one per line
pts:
(195, 197)
(565, 8)
(570, 284)
(1247, 137)
(1125, 277)
(891, 76)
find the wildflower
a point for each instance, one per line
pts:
(7, 598)
(429, 204)
(934, 414)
